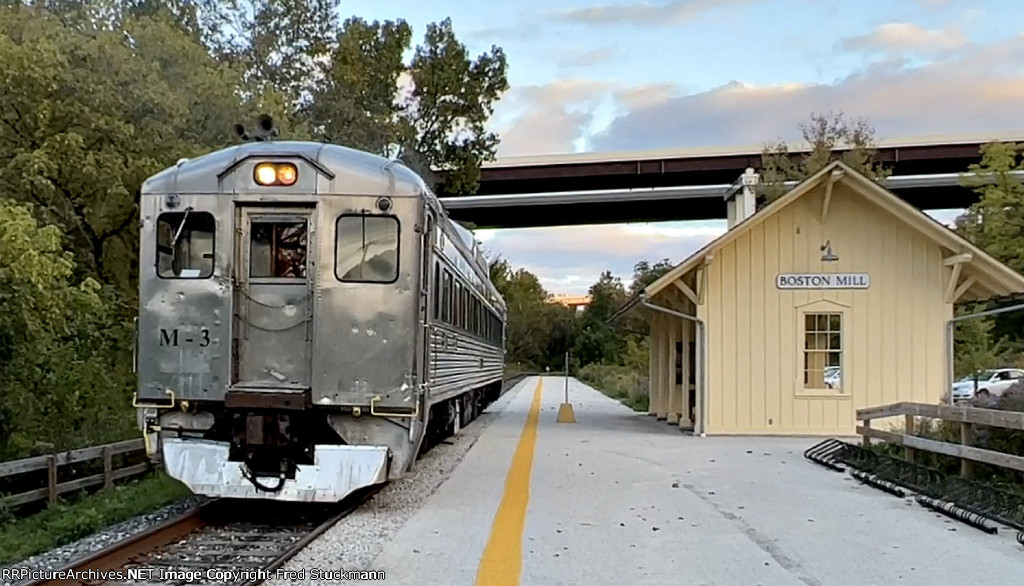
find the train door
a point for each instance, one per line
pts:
(274, 286)
(428, 300)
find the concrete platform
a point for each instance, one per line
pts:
(619, 498)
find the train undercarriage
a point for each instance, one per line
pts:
(277, 446)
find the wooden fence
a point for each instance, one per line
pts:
(53, 462)
(967, 417)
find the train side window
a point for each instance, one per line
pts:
(446, 306)
(184, 245)
(278, 249)
(458, 305)
(437, 290)
(366, 249)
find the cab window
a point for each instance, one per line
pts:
(278, 250)
(366, 249)
(184, 248)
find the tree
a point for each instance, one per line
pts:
(995, 223)
(598, 340)
(90, 111)
(975, 346)
(66, 371)
(356, 104)
(280, 45)
(830, 137)
(431, 113)
(644, 273)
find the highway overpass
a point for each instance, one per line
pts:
(687, 184)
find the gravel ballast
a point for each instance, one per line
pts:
(58, 558)
(360, 537)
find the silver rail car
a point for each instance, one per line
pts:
(309, 321)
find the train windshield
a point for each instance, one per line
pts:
(278, 250)
(366, 250)
(184, 247)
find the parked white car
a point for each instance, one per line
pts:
(833, 377)
(991, 382)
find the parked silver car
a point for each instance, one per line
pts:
(993, 382)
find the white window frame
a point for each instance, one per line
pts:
(845, 384)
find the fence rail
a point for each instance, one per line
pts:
(52, 462)
(967, 417)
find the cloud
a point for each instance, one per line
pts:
(491, 35)
(570, 259)
(977, 90)
(902, 38)
(587, 58)
(645, 13)
(547, 118)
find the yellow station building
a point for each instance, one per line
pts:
(834, 297)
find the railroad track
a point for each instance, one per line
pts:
(217, 542)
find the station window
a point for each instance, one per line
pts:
(823, 350)
(366, 249)
(184, 246)
(278, 249)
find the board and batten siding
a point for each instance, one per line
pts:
(893, 331)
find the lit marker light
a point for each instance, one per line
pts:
(276, 174)
(286, 174)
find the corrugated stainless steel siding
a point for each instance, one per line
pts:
(466, 363)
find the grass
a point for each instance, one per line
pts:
(66, 522)
(618, 382)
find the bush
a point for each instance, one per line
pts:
(997, 439)
(618, 382)
(65, 348)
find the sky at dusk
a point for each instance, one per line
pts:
(623, 75)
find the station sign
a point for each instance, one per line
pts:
(823, 281)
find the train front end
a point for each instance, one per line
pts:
(276, 338)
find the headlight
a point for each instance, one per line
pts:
(268, 174)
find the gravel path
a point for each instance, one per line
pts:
(357, 539)
(58, 558)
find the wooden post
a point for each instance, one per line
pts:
(108, 480)
(52, 480)
(867, 440)
(966, 439)
(908, 453)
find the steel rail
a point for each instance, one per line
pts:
(120, 552)
(359, 500)
(145, 547)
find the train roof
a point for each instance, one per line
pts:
(359, 171)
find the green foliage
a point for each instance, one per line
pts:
(598, 340)
(436, 121)
(996, 222)
(975, 346)
(997, 439)
(620, 382)
(68, 521)
(855, 141)
(90, 110)
(63, 349)
(540, 332)
(98, 95)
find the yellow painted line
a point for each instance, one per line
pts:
(502, 561)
